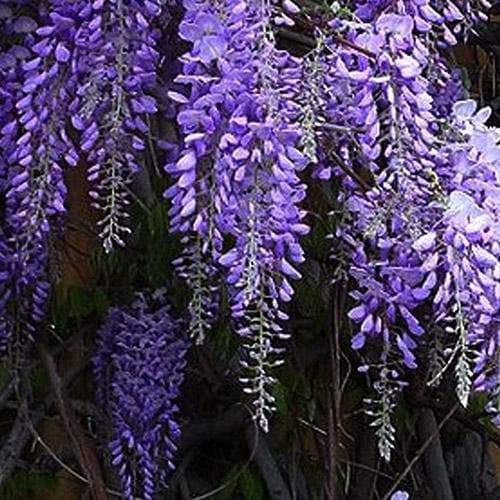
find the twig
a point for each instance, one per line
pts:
(351, 173)
(322, 432)
(341, 128)
(353, 46)
(419, 453)
(338, 313)
(65, 466)
(308, 41)
(11, 386)
(367, 468)
(23, 425)
(7, 391)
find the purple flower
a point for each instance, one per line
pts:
(24, 24)
(207, 33)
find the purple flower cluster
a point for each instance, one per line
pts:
(115, 64)
(374, 104)
(452, 18)
(197, 197)
(261, 151)
(139, 370)
(404, 173)
(11, 60)
(236, 179)
(390, 108)
(36, 147)
(471, 260)
(389, 216)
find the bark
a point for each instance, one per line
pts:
(13, 447)
(364, 479)
(433, 458)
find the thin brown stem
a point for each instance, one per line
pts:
(351, 173)
(419, 453)
(333, 394)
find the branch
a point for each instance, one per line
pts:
(460, 416)
(419, 453)
(83, 450)
(13, 447)
(334, 393)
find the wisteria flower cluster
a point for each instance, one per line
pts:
(237, 181)
(139, 368)
(117, 62)
(472, 240)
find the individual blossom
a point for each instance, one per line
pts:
(400, 495)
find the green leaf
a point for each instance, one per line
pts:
(281, 396)
(251, 485)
